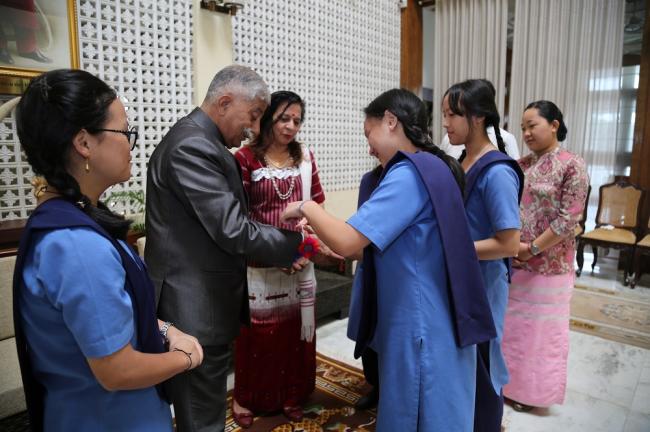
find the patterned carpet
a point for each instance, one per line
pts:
(611, 315)
(329, 408)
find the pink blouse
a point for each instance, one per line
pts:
(555, 190)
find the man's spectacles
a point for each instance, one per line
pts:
(131, 134)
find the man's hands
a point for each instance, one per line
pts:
(186, 343)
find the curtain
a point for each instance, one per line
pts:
(571, 52)
(469, 42)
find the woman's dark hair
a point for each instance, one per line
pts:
(475, 98)
(263, 140)
(550, 112)
(54, 108)
(412, 114)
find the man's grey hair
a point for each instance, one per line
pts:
(238, 80)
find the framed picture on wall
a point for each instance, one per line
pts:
(35, 36)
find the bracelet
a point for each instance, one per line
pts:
(189, 357)
(300, 206)
(163, 330)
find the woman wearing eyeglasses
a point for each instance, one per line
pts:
(90, 347)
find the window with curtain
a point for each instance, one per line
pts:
(570, 52)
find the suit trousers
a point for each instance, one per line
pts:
(199, 396)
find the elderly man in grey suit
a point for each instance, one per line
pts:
(199, 237)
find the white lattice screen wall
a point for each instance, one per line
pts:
(338, 55)
(143, 49)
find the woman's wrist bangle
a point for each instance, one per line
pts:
(300, 207)
(189, 357)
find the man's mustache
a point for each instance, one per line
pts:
(249, 134)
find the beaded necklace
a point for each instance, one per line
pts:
(283, 196)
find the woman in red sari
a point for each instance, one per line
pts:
(275, 358)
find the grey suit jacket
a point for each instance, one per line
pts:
(198, 233)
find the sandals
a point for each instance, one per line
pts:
(244, 419)
(519, 407)
(294, 413)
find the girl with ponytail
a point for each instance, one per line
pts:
(419, 273)
(90, 347)
(492, 193)
(509, 143)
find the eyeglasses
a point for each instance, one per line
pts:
(131, 134)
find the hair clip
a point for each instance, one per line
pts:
(44, 87)
(39, 185)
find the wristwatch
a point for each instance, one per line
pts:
(163, 330)
(534, 249)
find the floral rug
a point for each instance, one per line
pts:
(611, 316)
(329, 408)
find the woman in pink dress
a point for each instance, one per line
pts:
(275, 358)
(536, 334)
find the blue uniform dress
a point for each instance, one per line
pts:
(427, 382)
(493, 206)
(74, 306)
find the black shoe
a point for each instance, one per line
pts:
(36, 55)
(5, 57)
(368, 401)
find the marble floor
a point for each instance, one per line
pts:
(608, 388)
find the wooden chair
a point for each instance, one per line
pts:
(617, 223)
(580, 229)
(642, 248)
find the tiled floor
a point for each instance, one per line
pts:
(608, 389)
(608, 386)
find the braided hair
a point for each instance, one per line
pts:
(412, 114)
(54, 108)
(475, 98)
(262, 142)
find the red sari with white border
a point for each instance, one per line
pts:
(274, 368)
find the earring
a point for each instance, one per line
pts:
(87, 166)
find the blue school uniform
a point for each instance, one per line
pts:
(427, 380)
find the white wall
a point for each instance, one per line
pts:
(342, 204)
(212, 48)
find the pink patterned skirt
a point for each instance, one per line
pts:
(536, 337)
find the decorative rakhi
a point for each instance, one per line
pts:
(309, 247)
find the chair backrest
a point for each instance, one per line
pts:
(619, 204)
(6, 297)
(580, 228)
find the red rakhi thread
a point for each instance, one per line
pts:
(309, 247)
